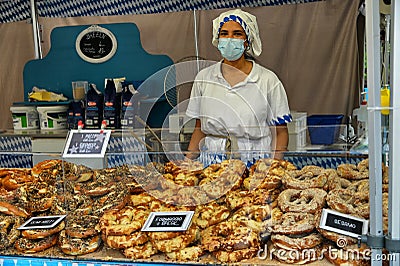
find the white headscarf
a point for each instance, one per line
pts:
(248, 23)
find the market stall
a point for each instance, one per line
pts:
(238, 212)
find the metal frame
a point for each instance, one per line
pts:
(376, 240)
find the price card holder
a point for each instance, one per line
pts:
(168, 221)
(87, 144)
(42, 222)
(343, 223)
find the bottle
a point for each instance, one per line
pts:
(94, 107)
(111, 108)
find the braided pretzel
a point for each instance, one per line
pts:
(350, 171)
(294, 223)
(348, 201)
(294, 242)
(305, 201)
(307, 177)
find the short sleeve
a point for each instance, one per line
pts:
(279, 106)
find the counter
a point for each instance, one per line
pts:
(25, 149)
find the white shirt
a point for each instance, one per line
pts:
(243, 111)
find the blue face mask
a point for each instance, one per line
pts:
(231, 48)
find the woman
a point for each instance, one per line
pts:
(239, 106)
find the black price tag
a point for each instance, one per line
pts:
(42, 222)
(96, 44)
(168, 221)
(343, 223)
(86, 143)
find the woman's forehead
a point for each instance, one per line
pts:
(231, 25)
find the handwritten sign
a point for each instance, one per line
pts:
(86, 143)
(42, 222)
(343, 223)
(96, 44)
(168, 221)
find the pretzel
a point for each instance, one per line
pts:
(177, 243)
(269, 164)
(78, 173)
(180, 179)
(359, 186)
(351, 172)
(125, 241)
(239, 198)
(308, 200)
(185, 167)
(14, 178)
(36, 197)
(228, 236)
(115, 199)
(98, 187)
(307, 177)
(68, 202)
(78, 246)
(236, 255)
(338, 183)
(124, 221)
(12, 209)
(140, 251)
(363, 165)
(349, 202)
(267, 173)
(186, 254)
(61, 170)
(25, 245)
(294, 223)
(289, 242)
(9, 232)
(81, 226)
(256, 217)
(44, 165)
(210, 214)
(7, 195)
(42, 233)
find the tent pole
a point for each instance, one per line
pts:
(374, 127)
(35, 29)
(394, 140)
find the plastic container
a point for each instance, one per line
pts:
(53, 117)
(299, 122)
(324, 129)
(24, 117)
(297, 139)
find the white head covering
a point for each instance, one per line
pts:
(248, 23)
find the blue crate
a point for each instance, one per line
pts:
(324, 129)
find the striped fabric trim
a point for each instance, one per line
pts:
(17, 10)
(281, 120)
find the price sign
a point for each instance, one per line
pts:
(168, 221)
(96, 44)
(86, 143)
(343, 223)
(42, 222)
